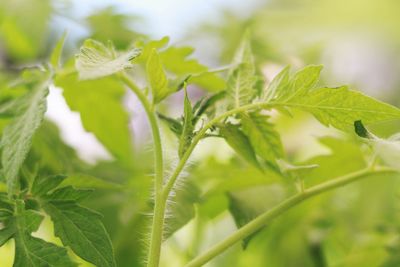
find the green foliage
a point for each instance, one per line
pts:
(96, 60)
(17, 136)
(157, 77)
(337, 107)
(41, 176)
(242, 76)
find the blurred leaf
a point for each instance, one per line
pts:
(95, 60)
(157, 78)
(242, 76)
(247, 204)
(239, 142)
(24, 28)
(187, 131)
(99, 103)
(263, 137)
(55, 57)
(88, 181)
(278, 84)
(69, 193)
(81, 230)
(181, 210)
(108, 24)
(44, 184)
(17, 136)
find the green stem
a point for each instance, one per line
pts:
(159, 206)
(286, 205)
(171, 181)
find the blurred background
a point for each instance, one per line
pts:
(357, 41)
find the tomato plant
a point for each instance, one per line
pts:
(43, 182)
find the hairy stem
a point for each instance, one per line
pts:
(286, 205)
(171, 181)
(159, 206)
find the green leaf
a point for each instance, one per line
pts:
(82, 230)
(89, 181)
(99, 103)
(95, 60)
(300, 85)
(337, 107)
(245, 204)
(263, 137)
(69, 193)
(242, 76)
(17, 136)
(187, 131)
(174, 125)
(31, 251)
(5, 234)
(278, 84)
(44, 184)
(156, 77)
(239, 142)
(55, 58)
(34, 252)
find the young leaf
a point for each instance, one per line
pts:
(301, 84)
(239, 142)
(156, 77)
(44, 184)
(337, 107)
(55, 58)
(82, 230)
(278, 84)
(242, 76)
(263, 137)
(188, 127)
(17, 136)
(95, 60)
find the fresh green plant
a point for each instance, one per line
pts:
(238, 109)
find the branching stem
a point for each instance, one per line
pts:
(286, 205)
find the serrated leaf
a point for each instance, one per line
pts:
(55, 58)
(17, 136)
(242, 76)
(82, 230)
(44, 184)
(279, 83)
(239, 142)
(337, 107)
(263, 137)
(95, 60)
(156, 77)
(69, 193)
(187, 131)
(35, 252)
(302, 83)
